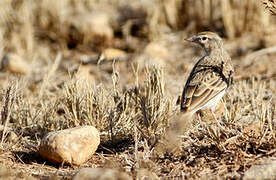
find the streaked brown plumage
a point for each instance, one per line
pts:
(210, 77)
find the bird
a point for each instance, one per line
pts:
(210, 77)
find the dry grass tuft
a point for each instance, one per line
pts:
(140, 105)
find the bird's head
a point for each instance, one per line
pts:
(207, 40)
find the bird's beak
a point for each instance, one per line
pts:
(191, 39)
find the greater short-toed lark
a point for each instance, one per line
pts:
(210, 77)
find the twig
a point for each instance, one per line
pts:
(5, 115)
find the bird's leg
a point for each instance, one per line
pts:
(214, 115)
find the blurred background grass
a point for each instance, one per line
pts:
(36, 28)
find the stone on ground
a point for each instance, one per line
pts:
(264, 170)
(112, 53)
(100, 174)
(15, 64)
(71, 146)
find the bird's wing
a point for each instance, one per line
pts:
(201, 87)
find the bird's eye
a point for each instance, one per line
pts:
(204, 38)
